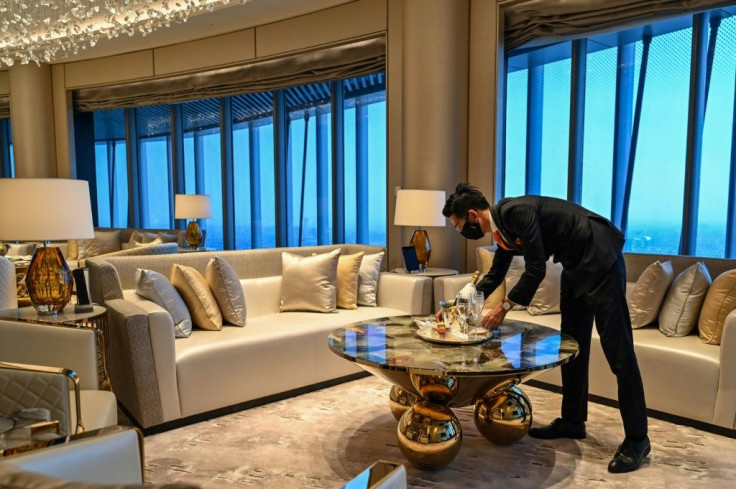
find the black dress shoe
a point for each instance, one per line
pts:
(559, 428)
(629, 455)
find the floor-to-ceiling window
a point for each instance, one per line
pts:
(7, 163)
(639, 130)
(184, 148)
(111, 168)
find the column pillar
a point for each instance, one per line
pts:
(32, 119)
(435, 41)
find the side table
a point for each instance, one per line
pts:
(433, 273)
(95, 320)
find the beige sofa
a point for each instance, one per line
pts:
(160, 379)
(683, 377)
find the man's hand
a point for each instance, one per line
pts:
(438, 315)
(494, 318)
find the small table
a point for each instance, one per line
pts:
(95, 320)
(429, 378)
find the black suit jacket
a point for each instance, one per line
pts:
(585, 243)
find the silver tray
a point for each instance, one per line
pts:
(429, 334)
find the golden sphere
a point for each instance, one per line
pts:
(429, 435)
(399, 401)
(504, 418)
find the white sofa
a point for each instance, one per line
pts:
(160, 379)
(684, 379)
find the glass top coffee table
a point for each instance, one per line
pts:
(429, 378)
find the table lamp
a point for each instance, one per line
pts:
(46, 209)
(192, 207)
(420, 208)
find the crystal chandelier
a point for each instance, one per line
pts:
(44, 30)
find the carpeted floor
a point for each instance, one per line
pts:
(324, 438)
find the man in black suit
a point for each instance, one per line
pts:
(593, 286)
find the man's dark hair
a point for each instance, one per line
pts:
(465, 198)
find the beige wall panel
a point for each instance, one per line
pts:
(435, 109)
(323, 27)
(63, 125)
(4, 83)
(482, 89)
(394, 135)
(113, 69)
(32, 121)
(205, 53)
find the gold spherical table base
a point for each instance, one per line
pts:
(429, 435)
(504, 417)
(399, 401)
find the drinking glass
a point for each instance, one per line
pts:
(479, 301)
(463, 306)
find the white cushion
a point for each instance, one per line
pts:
(681, 307)
(370, 270)
(648, 293)
(309, 282)
(546, 299)
(157, 288)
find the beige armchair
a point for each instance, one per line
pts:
(58, 350)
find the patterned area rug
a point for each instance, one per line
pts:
(324, 438)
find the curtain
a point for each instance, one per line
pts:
(341, 61)
(537, 22)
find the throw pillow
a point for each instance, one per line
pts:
(157, 288)
(516, 269)
(494, 298)
(104, 242)
(140, 237)
(196, 294)
(155, 242)
(370, 271)
(648, 293)
(167, 237)
(309, 283)
(546, 299)
(225, 286)
(348, 270)
(681, 306)
(719, 302)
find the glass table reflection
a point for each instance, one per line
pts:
(429, 379)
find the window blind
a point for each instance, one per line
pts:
(539, 22)
(352, 59)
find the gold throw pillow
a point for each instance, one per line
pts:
(348, 271)
(648, 293)
(719, 302)
(196, 294)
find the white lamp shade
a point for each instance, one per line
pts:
(45, 209)
(192, 206)
(420, 208)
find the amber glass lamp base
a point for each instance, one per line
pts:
(194, 234)
(49, 280)
(420, 242)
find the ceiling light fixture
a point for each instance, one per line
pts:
(45, 30)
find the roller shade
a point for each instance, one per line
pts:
(353, 59)
(4, 106)
(537, 22)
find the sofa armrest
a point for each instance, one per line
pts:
(725, 411)
(446, 288)
(409, 293)
(112, 455)
(130, 362)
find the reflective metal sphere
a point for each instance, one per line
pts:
(434, 387)
(399, 401)
(505, 417)
(429, 435)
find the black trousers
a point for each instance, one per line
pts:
(606, 303)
